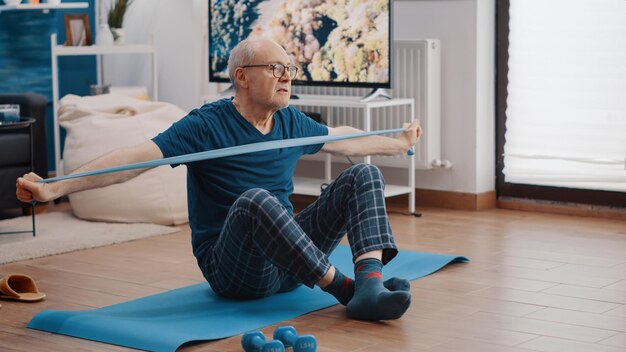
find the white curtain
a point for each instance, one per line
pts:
(566, 105)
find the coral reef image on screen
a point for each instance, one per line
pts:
(331, 41)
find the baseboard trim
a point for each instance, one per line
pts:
(451, 200)
(574, 209)
(432, 199)
(455, 200)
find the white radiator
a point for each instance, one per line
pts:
(416, 74)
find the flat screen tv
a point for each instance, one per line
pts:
(335, 43)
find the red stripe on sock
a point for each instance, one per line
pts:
(346, 283)
(358, 268)
(374, 274)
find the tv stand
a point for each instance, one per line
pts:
(311, 186)
(376, 93)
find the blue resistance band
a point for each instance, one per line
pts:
(224, 152)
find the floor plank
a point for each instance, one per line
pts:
(464, 345)
(568, 278)
(619, 286)
(536, 282)
(551, 344)
(619, 311)
(545, 300)
(618, 340)
(598, 294)
(542, 328)
(600, 321)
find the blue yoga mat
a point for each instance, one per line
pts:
(165, 321)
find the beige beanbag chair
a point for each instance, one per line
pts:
(96, 125)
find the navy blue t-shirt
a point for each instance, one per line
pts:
(214, 185)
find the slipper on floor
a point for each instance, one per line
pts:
(20, 287)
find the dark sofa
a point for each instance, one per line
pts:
(15, 149)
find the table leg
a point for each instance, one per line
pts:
(32, 169)
(33, 218)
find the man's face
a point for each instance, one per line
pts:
(264, 88)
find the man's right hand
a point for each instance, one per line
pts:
(27, 190)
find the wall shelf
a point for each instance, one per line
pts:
(45, 7)
(62, 50)
(311, 186)
(99, 51)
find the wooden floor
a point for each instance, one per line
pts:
(535, 283)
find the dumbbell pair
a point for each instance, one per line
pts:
(290, 338)
(284, 336)
(254, 341)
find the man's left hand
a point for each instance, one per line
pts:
(412, 133)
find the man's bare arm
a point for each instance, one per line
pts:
(373, 145)
(29, 190)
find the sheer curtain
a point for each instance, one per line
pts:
(566, 105)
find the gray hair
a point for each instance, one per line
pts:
(241, 55)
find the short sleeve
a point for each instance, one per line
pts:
(183, 137)
(307, 127)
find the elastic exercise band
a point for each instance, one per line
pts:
(224, 152)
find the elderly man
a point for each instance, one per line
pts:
(247, 241)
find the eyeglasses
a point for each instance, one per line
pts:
(279, 69)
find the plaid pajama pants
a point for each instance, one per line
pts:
(263, 249)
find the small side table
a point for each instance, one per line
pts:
(24, 122)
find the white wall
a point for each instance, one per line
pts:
(465, 28)
(466, 31)
(179, 28)
(485, 96)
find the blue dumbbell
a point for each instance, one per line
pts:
(254, 341)
(289, 337)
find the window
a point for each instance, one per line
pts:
(562, 103)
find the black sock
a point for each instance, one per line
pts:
(342, 287)
(372, 300)
(397, 284)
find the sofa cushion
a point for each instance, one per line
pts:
(96, 125)
(8, 175)
(15, 145)
(14, 149)
(31, 105)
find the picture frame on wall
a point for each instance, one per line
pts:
(77, 32)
